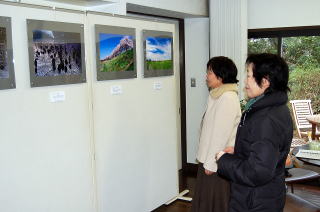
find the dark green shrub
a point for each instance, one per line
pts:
(305, 84)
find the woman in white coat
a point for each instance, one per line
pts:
(218, 131)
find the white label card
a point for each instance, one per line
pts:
(157, 85)
(116, 89)
(57, 96)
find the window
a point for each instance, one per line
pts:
(300, 47)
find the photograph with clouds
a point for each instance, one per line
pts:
(159, 53)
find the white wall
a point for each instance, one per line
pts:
(197, 56)
(192, 7)
(283, 13)
(187, 7)
(228, 33)
(47, 149)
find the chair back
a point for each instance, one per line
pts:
(301, 109)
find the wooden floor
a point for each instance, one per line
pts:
(306, 197)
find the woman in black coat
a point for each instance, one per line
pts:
(256, 168)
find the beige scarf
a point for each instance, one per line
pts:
(217, 92)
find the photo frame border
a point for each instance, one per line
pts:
(8, 83)
(61, 27)
(156, 73)
(101, 76)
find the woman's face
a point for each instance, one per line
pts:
(252, 88)
(212, 80)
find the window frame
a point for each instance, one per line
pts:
(283, 32)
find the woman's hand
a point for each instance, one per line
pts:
(229, 149)
(219, 154)
(208, 172)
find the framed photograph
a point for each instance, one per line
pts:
(7, 78)
(56, 53)
(158, 53)
(115, 52)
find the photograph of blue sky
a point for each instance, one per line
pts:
(108, 42)
(158, 49)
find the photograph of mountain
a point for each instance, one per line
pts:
(158, 53)
(56, 53)
(4, 69)
(116, 52)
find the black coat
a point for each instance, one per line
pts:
(257, 167)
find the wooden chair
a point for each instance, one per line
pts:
(301, 109)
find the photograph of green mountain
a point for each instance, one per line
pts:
(116, 52)
(158, 53)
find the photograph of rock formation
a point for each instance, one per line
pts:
(4, 70)
(116, 52)
(56, 53)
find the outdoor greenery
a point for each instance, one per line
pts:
(262, 45)
(304, 84)
(243, 103)
(159, 65)
(123, 62)
(303, 52)
(303, 57)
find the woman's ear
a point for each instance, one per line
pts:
(265, 83)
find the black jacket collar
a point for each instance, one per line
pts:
(271, 99)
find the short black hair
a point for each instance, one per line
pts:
(223, 68)
(271, 67)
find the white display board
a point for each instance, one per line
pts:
(135, 131)
(45, 156)
(78, 147)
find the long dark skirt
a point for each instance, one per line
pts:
(212, 193)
